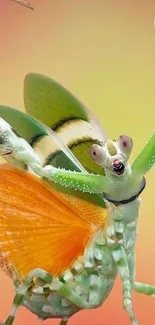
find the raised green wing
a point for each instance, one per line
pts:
(52, 104)
(31, 129)
(25, 125)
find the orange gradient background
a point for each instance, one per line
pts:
(104, 52)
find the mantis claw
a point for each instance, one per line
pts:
(128, 307)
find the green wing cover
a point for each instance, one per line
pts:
(52, 104)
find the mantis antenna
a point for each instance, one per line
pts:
(24, 3)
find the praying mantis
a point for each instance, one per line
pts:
(69, 205)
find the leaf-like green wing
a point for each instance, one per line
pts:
(27, 127)
(30, 129)
(52, 104)
(47, 141)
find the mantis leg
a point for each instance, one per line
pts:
(144, 288)
(63, 322)
(131, 265)
(24, 153)
(63, 289)
(23, 289)
(121, 261)
(130, 239)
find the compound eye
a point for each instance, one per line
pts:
(97, 153)
(126, 144)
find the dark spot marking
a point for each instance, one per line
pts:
(125, 144)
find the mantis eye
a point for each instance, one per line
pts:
(97, 153)
(125, 144)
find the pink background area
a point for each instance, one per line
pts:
(104, 52)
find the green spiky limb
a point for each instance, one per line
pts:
(120, 259)
(144, 288)
(89, 183)
(145, 159)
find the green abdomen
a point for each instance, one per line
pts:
(91, 277)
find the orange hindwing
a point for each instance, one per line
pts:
(40, 227)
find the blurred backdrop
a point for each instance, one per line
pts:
(103, 51)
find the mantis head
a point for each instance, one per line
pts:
(113, 155)
(123, 180)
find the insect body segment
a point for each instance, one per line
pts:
(75, 219)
